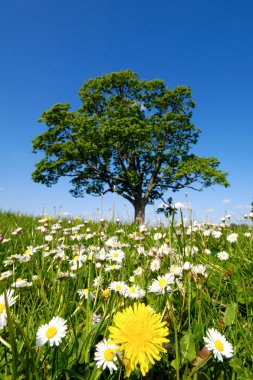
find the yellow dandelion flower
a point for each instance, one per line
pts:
(139, 334)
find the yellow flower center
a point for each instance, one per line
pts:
(115, 254)
(76, 257)
(27, 251)
(118, 287)
(219, 345)
(162, 282)
(51, 332)
(132, 289)
(108, 355)
(19, 279)
(2, 307)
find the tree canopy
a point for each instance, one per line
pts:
(130, 136)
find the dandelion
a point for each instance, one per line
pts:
(105, 356)
(218, 344)
(223, 255)
(140, 334)
(10, 301)
(53, 332)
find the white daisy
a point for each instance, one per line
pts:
(223, 255)
(134, 292)
(20, 283)
(83, 293)
(53, 332)
(218, 344)
(155, 265)
(162, 284)
(118, 286)
(116, 255)
(232, 237)
(105, 356)
(10, 300)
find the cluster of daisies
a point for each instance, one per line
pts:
(137, 336)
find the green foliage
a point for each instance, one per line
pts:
(130, 136)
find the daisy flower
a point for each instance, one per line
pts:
(116, 255)
(105, 356)
(155, 265)
(139, 334)
(10, 301)
(118, 286)
(232, 237)
(223, 255)
(134, 292)
(162, 284)
(218, 344)
(83, 293)
(21, 283)
(53, 332)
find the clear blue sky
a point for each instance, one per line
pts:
(50, 47)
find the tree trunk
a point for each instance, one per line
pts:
(139, 211)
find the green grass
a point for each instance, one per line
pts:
(221, 297)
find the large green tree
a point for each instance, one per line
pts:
(130, 136)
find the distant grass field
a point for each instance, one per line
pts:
(101, 300)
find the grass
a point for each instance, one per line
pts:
(209, 293)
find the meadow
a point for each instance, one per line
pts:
(90, 300)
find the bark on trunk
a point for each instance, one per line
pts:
(139, 211)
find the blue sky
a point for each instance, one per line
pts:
(50, 47)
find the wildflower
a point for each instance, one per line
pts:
(218, 344)
(247, 234)
(21, 283)
(138, 271)
(158, 236)
(162, 284)
(53, 332)
(134, 292)
(112, 267)
(232, 237)
(105, 356)
(223, 255)
(191, 250)
(5, 275)
(118, 286)
(176, 270)
(48, 238)
(155, 265)
(78, 261)
(116, 255)
(140, 334)
(216, 234)
(199, 270)
(10, 301)
(83, 293)
(106, 293)
(96, 318)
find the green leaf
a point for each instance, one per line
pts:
(230, 314)
(187, 347)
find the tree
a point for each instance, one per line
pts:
(130, 136)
